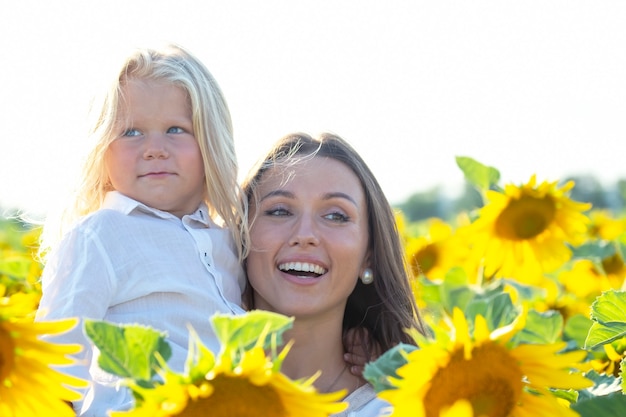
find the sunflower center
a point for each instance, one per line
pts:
(525, 217)
(7, 355)
(425, 259)
(613, 264)
(237, 397)
(490, 381)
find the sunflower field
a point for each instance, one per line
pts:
(524, 298)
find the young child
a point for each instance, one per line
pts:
(155, 232)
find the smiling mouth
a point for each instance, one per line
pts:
(302, 269)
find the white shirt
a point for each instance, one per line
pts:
(363, 402)
(129, 263)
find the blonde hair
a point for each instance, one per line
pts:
(212, 128)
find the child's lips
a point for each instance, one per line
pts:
(158, 174)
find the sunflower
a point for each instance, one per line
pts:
(557, 297)
(435, 253)
(604, 226)
(484, 375)
(615, 269)
(524, 231)
(236, 384)
(584, 280)
(29, 386)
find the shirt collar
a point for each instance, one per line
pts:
(117, 201)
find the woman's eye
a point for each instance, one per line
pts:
(131, 132)
(277, 212)
(337, 217)
(175, 129)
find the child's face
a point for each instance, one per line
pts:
(156, 159)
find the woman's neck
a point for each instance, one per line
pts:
(318, 347)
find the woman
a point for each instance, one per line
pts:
(325, 249)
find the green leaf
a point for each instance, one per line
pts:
(17, 266)
(609, 307)
(377, 372)
(602, 385)
(128, 350)
(608, 312)
(605, 406)
(570, 395)
(430, 291)
(456, 297)
(243, 331)
(497, 309)
(594, 250)
(477, 174)
(525, 292)
(455, 292)
(200, 360)
(541, 328)
(455, 276)
(600, 334)
(577, 328)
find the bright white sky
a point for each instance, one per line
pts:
(526, 86)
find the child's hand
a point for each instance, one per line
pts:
(356, 362)
(361, 349)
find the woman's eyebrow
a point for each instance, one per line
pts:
(327, 196)
(278, 193)
(339, 194)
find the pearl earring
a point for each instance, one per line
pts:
(367, 277)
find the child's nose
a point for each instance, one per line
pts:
(155, 146)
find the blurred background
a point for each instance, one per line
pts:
(527, 87)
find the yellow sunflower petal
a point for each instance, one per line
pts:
(545, 368)
(481, 330)
(461, 408)
(612, 353)
(29, 386)
(543, 406)
(461, 331)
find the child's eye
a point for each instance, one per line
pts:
(131, 132)
(337, 217)
(175, 129)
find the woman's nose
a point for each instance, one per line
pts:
(305, 233)
(155, 146)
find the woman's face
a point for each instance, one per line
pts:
(309, 238)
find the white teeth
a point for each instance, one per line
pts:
(302, 267)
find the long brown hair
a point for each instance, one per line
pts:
(386, 308)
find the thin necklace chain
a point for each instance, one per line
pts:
(330, 387)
